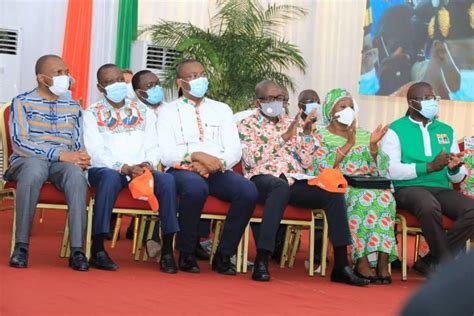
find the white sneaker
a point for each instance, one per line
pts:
(317, 267)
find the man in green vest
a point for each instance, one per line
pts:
(424, 159)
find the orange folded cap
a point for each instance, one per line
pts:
(330, 180)
(142, 188)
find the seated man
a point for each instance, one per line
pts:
(200, 145)
(424, 159)
(148, 89)
(46, 137)
(270, 143)
(121, 153)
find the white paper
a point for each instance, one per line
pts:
(468, 143)
(299, 176)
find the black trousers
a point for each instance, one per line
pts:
(275, 193)
(428, 204)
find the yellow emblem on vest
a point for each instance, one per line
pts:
(442, 139)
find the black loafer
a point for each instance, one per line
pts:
(260, 270)
(221, 264)
(78, 261)
(373, 279)
(19, 258)
(201, 254)
(167, 264)
(385, 280)
(102, 261)
(347, 276)
(188, 263)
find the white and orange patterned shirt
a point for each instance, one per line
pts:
(265, 152)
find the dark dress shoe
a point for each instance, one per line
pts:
(372, 278)
(201, 254)
(188, 263)
(346, 275)
(221, 263)
(260, 270)
(78, 261)
(19, 258)
(167, 264)
(385, 280)
(102, 261)
(422, 267)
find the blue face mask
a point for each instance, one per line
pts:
(466, 87)
(311, 106)
(198, 87)
(429, 108)
(369, 83)
(155, 95)
(116, 92)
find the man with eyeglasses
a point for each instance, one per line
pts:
(275, 148)
(45, 130)
(424, 159)
(200, 145)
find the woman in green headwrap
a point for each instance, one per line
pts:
(371, 212)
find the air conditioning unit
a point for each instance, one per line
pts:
(9, 64)
(145, 55)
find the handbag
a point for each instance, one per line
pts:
(369, 182)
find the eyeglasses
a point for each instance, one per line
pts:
(428, 97)
(194, 75)
(273, 99)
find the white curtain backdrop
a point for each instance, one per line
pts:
(104, 32)
(41, 25)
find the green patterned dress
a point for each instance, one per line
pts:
(371, 212)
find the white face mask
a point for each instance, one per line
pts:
(60, 85)
(345, 116)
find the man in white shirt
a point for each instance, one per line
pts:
(200, 144)
(120, 153)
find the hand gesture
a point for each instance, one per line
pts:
(378, 134)
(351, 134)
(211, 163)
(199, 168)
(454, 161)
(291, 132)
(308, 122)
(80, 158)
(438, 163)
(132, 171)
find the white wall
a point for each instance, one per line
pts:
(330, 38)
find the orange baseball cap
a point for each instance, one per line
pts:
(330, 180)
(142, 188)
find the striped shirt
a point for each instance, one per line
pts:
(42, 128)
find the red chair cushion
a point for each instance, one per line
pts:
(214, 206)
(238, 168)
(291, 213)
(6, 119)
(413, 222)
(126, 200)
(48, 194)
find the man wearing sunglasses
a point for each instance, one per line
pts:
(424, 160)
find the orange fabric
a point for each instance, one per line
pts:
(142, 188)
(330, 180)
(77, 46)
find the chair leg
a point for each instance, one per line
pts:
(118, 222)
(136, 224)
(324, 248)
(245, 256)
(89, 229)
(294, 249)
(285, 246)
(141, 234)
(403, 224)
(41, 215)
(417, 247)
(215, 240)
(151, 228)
(12, 246)
(238, 262)
(64, 244)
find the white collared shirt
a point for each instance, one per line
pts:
(112, 146)
(179, 133)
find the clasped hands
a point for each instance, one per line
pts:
(442, 160)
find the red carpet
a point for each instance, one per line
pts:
(49, 287)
